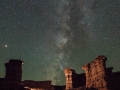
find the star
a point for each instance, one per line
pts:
(6, 46)
(50, 35)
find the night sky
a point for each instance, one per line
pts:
(50, 35)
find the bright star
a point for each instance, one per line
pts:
(6, 46)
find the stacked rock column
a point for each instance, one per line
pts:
(68, 74)
(13, 73)
(96, 74)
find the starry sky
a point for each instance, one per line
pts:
(50, 35)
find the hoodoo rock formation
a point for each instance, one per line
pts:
(96, 77)
(12, 80)
(13, 73)
(95, 72)
(73, 80)
(68, 74)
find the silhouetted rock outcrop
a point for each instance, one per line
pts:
(13, 76)
(97, 77)
(73, 80)
(38, 85)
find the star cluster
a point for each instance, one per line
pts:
(50, 35)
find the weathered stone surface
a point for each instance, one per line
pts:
(98, 77)
(68, 74)
(74, 80)
(96, 73)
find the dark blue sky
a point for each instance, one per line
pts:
(50, 35)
